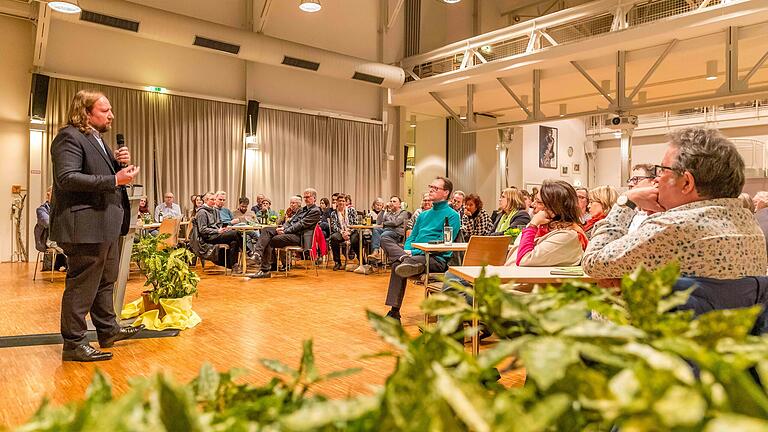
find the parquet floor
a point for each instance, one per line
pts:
(243, 321)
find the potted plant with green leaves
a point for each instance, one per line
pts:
(167, 271)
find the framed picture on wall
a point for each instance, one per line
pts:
(547, 147)
(576, 168)
(564, 171)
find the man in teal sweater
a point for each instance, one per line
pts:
(408, 262)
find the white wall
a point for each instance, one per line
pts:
(487, 170)
(430, 155)
(571, 133)
(15, 78)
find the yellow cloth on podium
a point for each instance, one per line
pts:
(178, 314)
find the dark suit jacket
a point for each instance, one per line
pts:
(86, 206)
(303, 224)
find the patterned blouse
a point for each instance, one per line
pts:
(480, 224)
(715, 238)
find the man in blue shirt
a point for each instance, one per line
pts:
(407, 261)
(225, 214)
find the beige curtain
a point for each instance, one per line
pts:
(297, 151)
(461, 158)
(183, 145)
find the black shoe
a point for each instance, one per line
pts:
(318, 262)
(85, 353)
(337, 266)
(124, 333)
(282, 268)
(395, 315)
(262, 275)
(409, 269)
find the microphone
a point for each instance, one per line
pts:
(121, 143)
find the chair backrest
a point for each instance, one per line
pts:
(486, 250)
(170, 226)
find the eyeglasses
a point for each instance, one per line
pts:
(636, 179)
(585, 198)
(433, 187)
(657, 170)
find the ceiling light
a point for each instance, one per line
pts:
(617, 134)
(563, 110)
(310, 5)
(68, 7)
(711, 70)
(462, 113)
(606, 85)
(451, 1)
(413, 121)
(486, 49)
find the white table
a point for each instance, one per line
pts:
(526, 275)
(361, 268)
(244, 229)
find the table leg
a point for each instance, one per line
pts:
(426, 284)
(244, 253)
(360, 268)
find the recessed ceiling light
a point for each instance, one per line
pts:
(310, 5)
(711, 70)
(451, 1)
(68, 7)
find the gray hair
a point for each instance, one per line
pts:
(313, 192)
(712, 160)
(746, 202)
(647, 169)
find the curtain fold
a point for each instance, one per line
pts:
(297, 151)
(461, 158)
(183, 145)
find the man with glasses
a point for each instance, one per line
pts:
(407, 261)
(643, 175)
(297, 231)
(583, 195)
(698, 220)
(168, 209)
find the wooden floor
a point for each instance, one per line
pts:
(243, 321)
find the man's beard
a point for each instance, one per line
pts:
(103, 128)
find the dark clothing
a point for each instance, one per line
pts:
(397, 255)
(298, 231)
(394, 221)
(42, 226)
(337, 240)
(88, 214)
(207, 225)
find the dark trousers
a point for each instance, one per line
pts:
(397, 255)
(269, 240)
(235, 242)
(337, 240)
(91, 277)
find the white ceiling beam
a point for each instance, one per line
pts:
(515, 97)
(395, 13)
(593, 82)
(448, 109)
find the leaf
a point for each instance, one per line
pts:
(492, 356)
(603, 329)
(675, 299)
(279, 367)
(625, 386)
(547, 358)
(342, 373)
(308, 362)
(468, 405)
(316, 415)
(661, 361)
(712, 326)
(207, 383)
(176, 409)
(563, 317)
(100, 389)
(545, 413)
(680, 406)
(389, 330)
(735, 422)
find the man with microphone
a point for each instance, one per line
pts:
(89, 212)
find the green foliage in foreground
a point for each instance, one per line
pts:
(629, 369)
(166, 269)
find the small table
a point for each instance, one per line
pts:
(361, 268)
(146, 227)
(244, 229)
(530, 275)
(427, 248)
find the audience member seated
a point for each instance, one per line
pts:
(601, 199)
(377, 207)
(761, 211)
(700, 222)
(168, 209)
(514, 211)
(257, 207)
(42, 244)
(297, 231)
(392, 221)
(583, 194)
(325, 214)
(242, 215)
(211, 232)
(266, 215)
(554, 236)
(294, 205)
(529, 198)
(746, 202)
(408, 261)
(426, 204)
(642, 176)
(341, 218)
(475, 220)
(221, 205)
(457, 201)
(197, 202)
(144, 213)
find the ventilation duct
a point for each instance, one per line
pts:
(109, 21)
(172, 28)
(299, 63)
(216, 45)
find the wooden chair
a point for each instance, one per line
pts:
(170, 226)
(481, 251)
(290, 250)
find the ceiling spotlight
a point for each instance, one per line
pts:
(711, 70)
(413, 121)
(563, 110)
(486, 49)
(462, 113)
(451, 1)
(606, 85)
(67, 7)
(310, 5)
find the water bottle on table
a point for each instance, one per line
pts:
(447, 233)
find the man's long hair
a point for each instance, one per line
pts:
(81, 105)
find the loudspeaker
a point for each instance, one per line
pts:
(251, 117)
(38, 100)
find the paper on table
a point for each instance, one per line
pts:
(567, 271)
